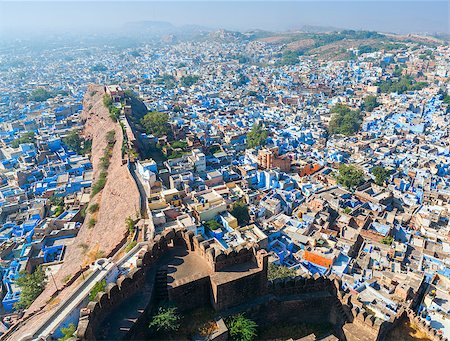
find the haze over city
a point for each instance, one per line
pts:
(110, 16)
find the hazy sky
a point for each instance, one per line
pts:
(387, 16)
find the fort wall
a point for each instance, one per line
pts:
(307, 299)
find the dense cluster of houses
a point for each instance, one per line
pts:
(389, 243)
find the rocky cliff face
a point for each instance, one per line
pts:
(118, 200)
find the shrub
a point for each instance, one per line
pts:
(130, 245)
(111, 137)
(166, 319)
(100, 286)
(241, 328)
(94, 208)
(100, 184)
(92, 223)
(67, 332)
(107, 101)
(129, 222)
(388, 240)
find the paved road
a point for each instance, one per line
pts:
(72, 302)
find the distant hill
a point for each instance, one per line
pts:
(337, 45)
(321, 41)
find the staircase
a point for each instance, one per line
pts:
(161, 292)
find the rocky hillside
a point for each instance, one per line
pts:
(118, 200)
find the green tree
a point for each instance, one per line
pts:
(167, 80)
(212, 224)
(290, 57)
(27, 137)
(188, 81)
(156, 123)
(257, 136)
(403, 84)
(446, 99)
(77, 143)
(350, 176)
(279, 271)
(370, 103)
(179, 144)
(100, 286)
(31, 285)
(344, 120)
(67, 332)
(388, 240)
(381, 174)
(165, 320)
(56, 201)
(240, 212)
(40, 95)
(241, 328)
(73, 141)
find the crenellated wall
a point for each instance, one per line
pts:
(190, 293)
(420, 323)
(235, 281)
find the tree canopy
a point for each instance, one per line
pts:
(344, 120)
(240, 212)
(167, 80)
(350, 176)
(257, 136)
(156, 123)
(212, 224)
(27, 137)
(402, 85)
(381, 174)
(76, 143)
(188, 81)
(290, 57)
(31, 285)
(279, 271)
(40, 95)
(370, 103)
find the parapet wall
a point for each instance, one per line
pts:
(425, 328)
(92, 316)
(314, 296)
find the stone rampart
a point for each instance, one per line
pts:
(304, 299)
(422, 325)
